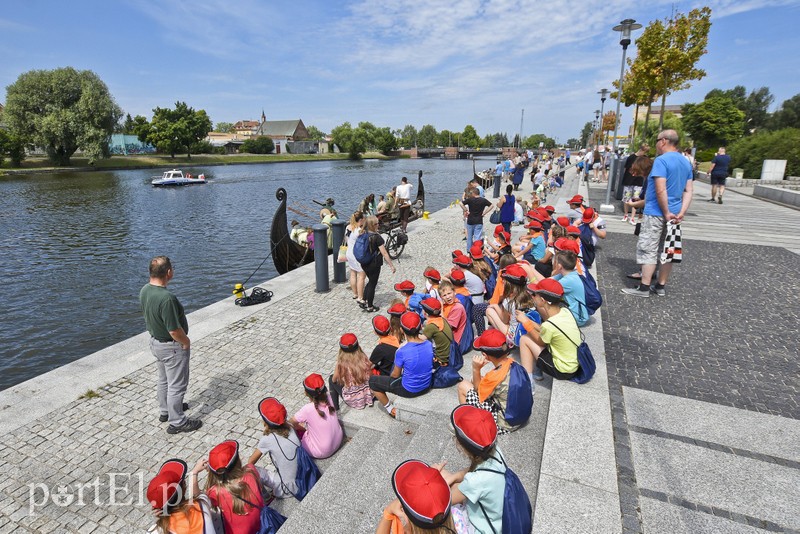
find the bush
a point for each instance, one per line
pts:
(259, 145)
(202, 147)
(705, 155)
(219, 150)
(749, 153)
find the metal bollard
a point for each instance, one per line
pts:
(497, 182)
(321, 258)
(339, 269)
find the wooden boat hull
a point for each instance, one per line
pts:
(286, 254)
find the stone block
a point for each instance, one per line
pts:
(566, 506)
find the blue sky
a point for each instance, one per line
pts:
(446, 63)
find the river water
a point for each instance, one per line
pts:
(74, 247)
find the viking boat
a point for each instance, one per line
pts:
(288, 255)
(485, 181)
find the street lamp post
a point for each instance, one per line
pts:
(603, 95)
(596, 126)
(625, 28)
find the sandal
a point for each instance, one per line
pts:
(371, 309)
(635, 276)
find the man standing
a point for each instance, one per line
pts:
(668, 197)
(475, 209)
(498, 176)
(404, 201)
(169, 343)
(568, 154)
(719, 173)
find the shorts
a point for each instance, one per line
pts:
(596, 166)
(545, 363)
(387, 384)
(651, 240)
(629, 192)
(473, 399)
(718, 179)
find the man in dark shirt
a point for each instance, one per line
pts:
(718, 173)
(475, 209)
(169, 343)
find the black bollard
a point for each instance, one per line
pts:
(321, 258)
(339, 269)
(497, 182)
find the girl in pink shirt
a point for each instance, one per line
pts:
(316, 423)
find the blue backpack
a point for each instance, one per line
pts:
(534, 316)
(271, 520)
(586, 364)
(469, 335)
(361, 250)
(446, 376)
(517, 509)
(415, 303)
(587, 245)
(519, 404)
(307, 471)
(593, 297)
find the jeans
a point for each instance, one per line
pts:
(172, 362)
(474, 233)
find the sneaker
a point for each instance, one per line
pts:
(189, 426)
(164, 418)
(636, 292)
(719, 200)
(633, 222)
(661, 291)
(712, 199)
(624, 218)
(538, 375)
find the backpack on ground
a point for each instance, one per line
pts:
(586, 364)
(445, 376)
(593, 297)
(517, 509)
(519, 403)
(362, 250)
(469, 335)
(587, 246)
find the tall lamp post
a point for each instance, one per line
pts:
(625, 28)
(596, 126)
(603, 95)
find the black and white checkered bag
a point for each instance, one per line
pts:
(673, 250)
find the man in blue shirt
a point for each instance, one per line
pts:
(718, 173)
(668, 197)
(498, 177)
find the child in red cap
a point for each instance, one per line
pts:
(234, 489)
(280, 443)
(382, 356)
(452, 310)
(437, 330)
(350, 378)
(503, 314)
(316, 423)
(178, 508)
(432, 279)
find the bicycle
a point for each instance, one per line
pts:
(396, 240)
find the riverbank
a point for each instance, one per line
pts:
(156, 161)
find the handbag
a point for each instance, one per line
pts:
(673, 251)
(494, 218)
(342, 257)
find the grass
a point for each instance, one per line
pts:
(90, 394)
(156, 160)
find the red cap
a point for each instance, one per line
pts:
(463, 261)
(515, 274)
(348, 342)
(549, 288)
(563, 221)
(577, 199)
(166, 488)
(433, 274)
(457, 277)
(381, 325)
(457, 253)
(410, 322)
(431, 306)
(573, 230)
(497, 229)
(588, 215)
(475, 428)
(536, 225)
(532, 214)
(506, 236)
(223, 456)
(549, 209)
(476, 251)
(567, 245)
(272, 412)
(405, 285)
(396, 310)
(492, 342)
(423, 493)
(314, 384)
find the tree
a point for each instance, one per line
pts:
(384, 140)
(223, 127)
(369, 130)
(534, 140)
(427, 137)
(125, 127)
(750, 152)
(755, 106)
(62, 110)
(469, 138)
(671, 122)
(315, 134)
(788, 116)
(715, 121)
(586, 133)
(173, 129)
(408, 136)
(573, 143)
(351, 140)
(258, 145)
(609, 122)
(445, 138)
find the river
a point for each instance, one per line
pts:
(74, 247)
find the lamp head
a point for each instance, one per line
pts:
(626, 27)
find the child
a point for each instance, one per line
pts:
(382, 357)
(452, 310)
(564, 272)
(234, 489)
(413, 366)
(316, 422)
(503, 315)
(395, 311)
(406, 289)
(437, 330)
(280, 443)
(533, 245)
(432, 278)
(552, 346)
(459, 280)
(541, 191)
(490, 392)
(350, 378)
(178, 509)
(503, 246)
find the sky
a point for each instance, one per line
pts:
(390, 62)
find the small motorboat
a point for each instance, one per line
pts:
(176, 177)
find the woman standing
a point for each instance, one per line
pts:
(506, 206)
(373, 268)
(357, 276)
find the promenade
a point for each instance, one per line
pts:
(690, 426)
